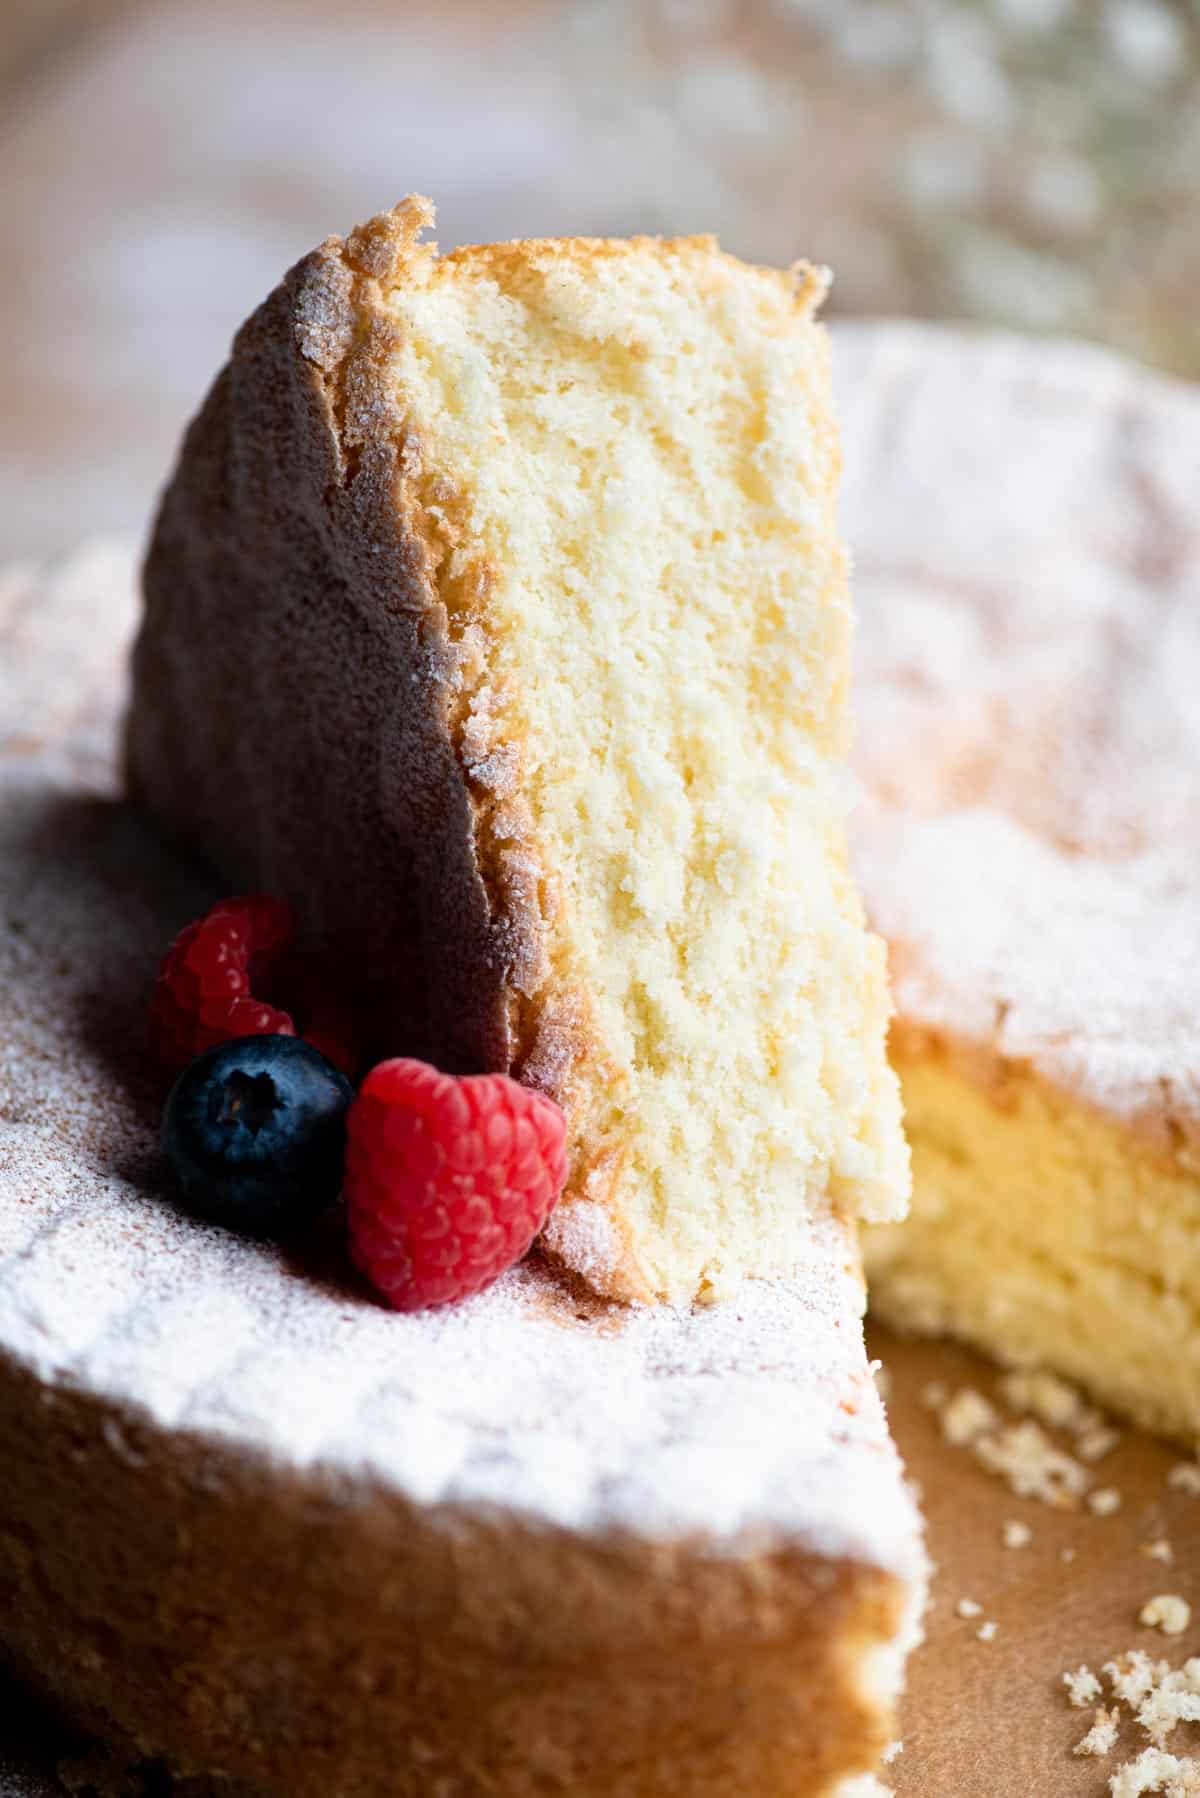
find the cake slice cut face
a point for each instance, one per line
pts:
(496, 615)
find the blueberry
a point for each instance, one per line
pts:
(255, 1131)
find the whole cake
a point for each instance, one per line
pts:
(496, 616)
(1029, 746)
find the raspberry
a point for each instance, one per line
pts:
(207, 986)
(447, 1180)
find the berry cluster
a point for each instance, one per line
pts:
(447, 1180)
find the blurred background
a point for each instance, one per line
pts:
(1026, 163)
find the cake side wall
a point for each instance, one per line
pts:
(289, 704)
(304, 1639)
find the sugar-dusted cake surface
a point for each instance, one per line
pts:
(256, 1523)
(496, 614)
(1028, 576)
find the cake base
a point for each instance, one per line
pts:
(979, 1720)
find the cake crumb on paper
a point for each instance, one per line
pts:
(1167, 1612)
(1133, 1676)
(1175, 1699)
(1154, 1771)
(1033, 1465)
(1185, 1477)
(1083, 1688)
(1093, 1444)
(1159, 1698)
(988, 1631)
(967, 1415)
(1104, 1501)
(966, 1607)
(1159, 1550)
(1101, 1738)
(1046, 1396)
(1017, 1534)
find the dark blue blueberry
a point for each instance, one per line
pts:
(255, 1132)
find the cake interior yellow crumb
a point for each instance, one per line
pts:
(1042, 1232)
(634, 440)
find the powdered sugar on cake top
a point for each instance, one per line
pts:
(749, 1422)
(1027, 539)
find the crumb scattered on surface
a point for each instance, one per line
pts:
(1066, 1554)
(1101, 1738)
(1033, 1465)
(966, 1607)
(1083, 1688)
(1174, 1699)
(1133, 1676)
(967, 1416)
(1185, 1477)
(1093, 1444)
(1168, 1612)
(1104, 1501)
(891, 1751)
(987, 1632)
(1154, 1771)
(1159, 1550)
(1017, 1534)
(1043, 1395)
(1159, 1697)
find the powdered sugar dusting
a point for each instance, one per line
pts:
(1028, 578)
(586, 1238)
(748, 1422)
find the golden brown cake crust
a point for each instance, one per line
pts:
(401, 1654)
(300, 517)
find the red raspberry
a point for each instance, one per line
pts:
(447, 1180)
(206, 986)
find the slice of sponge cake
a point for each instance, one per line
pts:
(496, 615)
